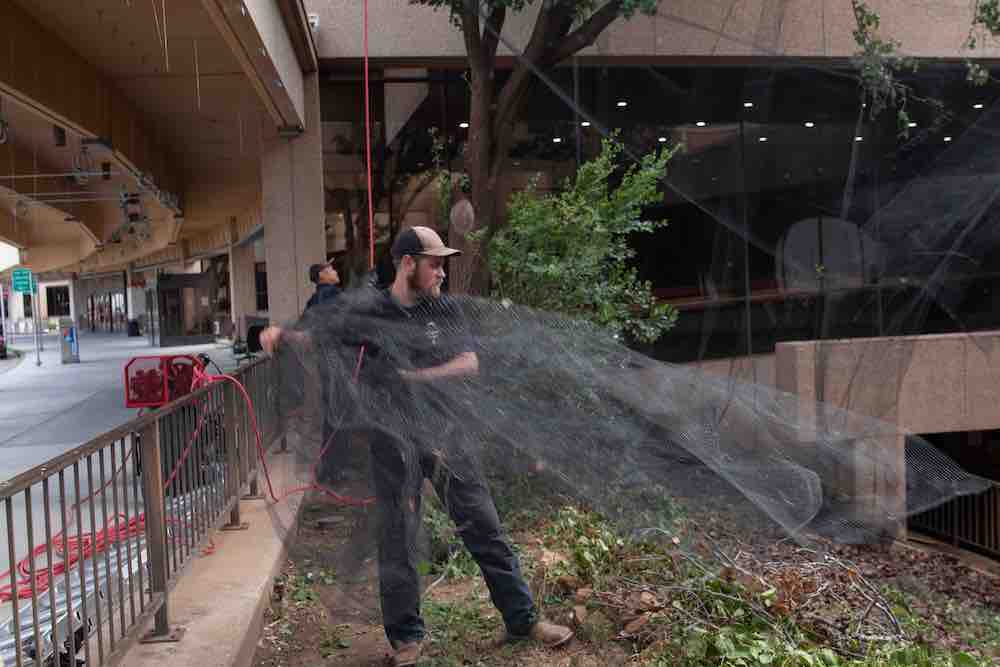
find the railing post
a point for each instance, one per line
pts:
(234, 480)
(251, 377)
(156, 532)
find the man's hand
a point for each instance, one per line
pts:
(269, 338)
(465, 364)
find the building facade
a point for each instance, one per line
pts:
(181, 166)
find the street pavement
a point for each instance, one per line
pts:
(47, 409)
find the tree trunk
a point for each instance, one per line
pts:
(467, 271)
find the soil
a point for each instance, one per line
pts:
(339, 624)
(324, 610)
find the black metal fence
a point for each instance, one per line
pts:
(97, 537)
(970, 522)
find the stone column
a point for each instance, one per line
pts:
(242, 285)
(292, 189)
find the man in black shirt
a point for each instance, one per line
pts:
(438, 350)
(327, 282)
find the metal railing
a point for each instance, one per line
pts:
(969, 522)
(98, 536)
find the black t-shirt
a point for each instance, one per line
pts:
(430, 333)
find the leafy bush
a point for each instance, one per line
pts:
(569, 252)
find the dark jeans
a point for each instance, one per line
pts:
(466, 497)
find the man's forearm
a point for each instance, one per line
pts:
(464, 364)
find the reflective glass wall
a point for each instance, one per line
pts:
(794, 214)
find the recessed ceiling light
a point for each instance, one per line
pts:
(622, 104)
(557, 140)
(911, 124)
(859, 138)
(809, 123)
(748, 105)
(701, 123)
(978, 105)
(585, 123)
(763, 140)
(662, 140)
(947, 140)
(463, 125)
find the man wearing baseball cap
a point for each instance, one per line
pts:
(327, 282)
(441, 351)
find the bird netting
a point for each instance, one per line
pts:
(796, 215)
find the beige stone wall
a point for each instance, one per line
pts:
(918, 384)
(923, 384)
(687, 28)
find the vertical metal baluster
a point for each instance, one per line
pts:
(50, 578)
(71, 645)
(198, 476)
(219, 451)
(122, 533)
(136, 455)
(187, 428)
(18, 649)
(188, 447)
(203, 474)
(84, 612)
(152, 484)
(108, 535)
(129, 536)
(93, 560)
(179, 495)
(232, 455)
(32, 579)
(172, 524)
(140, 519)
(995, 521)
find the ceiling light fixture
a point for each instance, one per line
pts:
(701, 123)
(557, 140)
(859, 138)
(911, 124)
(662, 140)
(585, 123)
(748, 105)
(978, 105)
(809, 123)
(464, 125)
(622, 104)
(763, 140)
(947, 140)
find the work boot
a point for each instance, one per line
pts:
(407, 654)
(548, 634)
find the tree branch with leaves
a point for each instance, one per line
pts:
(562, 29)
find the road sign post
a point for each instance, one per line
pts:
(3, 311)
(24, 283)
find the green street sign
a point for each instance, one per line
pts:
(22, 281)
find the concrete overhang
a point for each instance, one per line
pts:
(272, 42)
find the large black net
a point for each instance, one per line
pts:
(812, 249)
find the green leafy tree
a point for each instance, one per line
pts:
(562, 28)
(569, 252)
